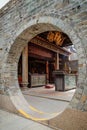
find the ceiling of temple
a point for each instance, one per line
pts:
(58, 38)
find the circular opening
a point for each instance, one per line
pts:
(36, 65)
(12, 64)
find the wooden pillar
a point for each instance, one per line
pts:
(57, 62)
(47, 71)
(25, 66)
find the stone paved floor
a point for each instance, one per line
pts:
(48, 100)
(50, 93)
(9, 121)
(46, 105)
(68, 120)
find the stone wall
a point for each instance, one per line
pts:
(21, 20)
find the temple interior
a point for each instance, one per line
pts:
(46, 53)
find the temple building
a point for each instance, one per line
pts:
(43, 43)
(44, 54)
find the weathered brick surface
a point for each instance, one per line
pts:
(21, 20)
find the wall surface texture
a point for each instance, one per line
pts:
(20, 21)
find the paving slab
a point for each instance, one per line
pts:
(50, 93)
(9, 121)
(46, 105)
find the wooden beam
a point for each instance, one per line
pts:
(46, 44)
(38, 50)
